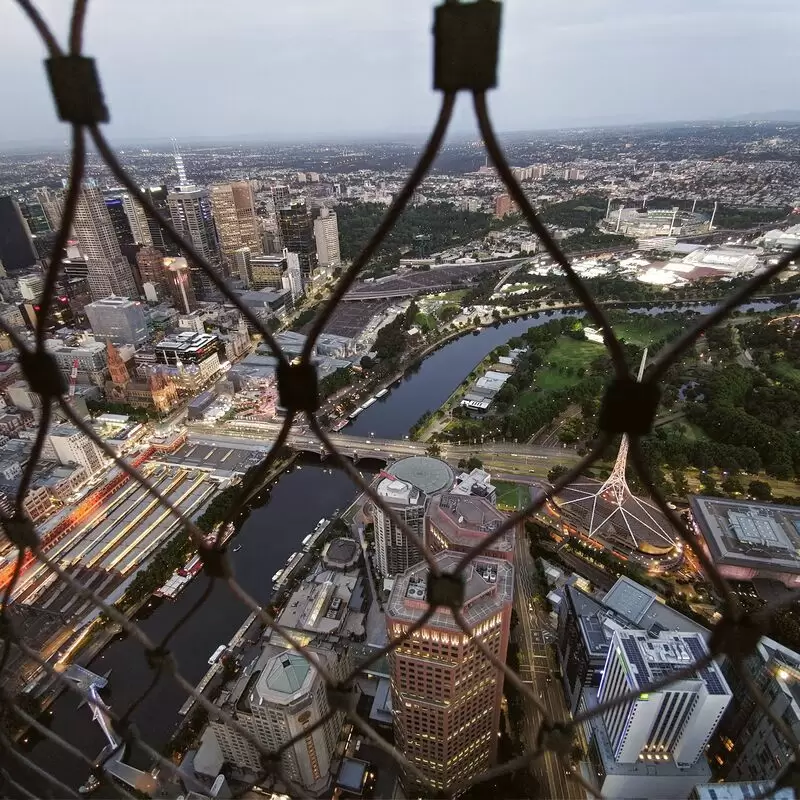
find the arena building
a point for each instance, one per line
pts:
(647, 223)
(750, 540)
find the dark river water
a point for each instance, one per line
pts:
(272, 531)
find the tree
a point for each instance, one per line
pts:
(473, 462)
(367, 362)
(759, 490)
(433, 450)
(556, 472)
(496, 315)
(732, 485)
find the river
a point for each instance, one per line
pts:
(268, 536)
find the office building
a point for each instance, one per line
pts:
(281, 198)
(190, 209)
(446, 695)
(394, 550)
(108, 271)
(119, 319)
(747, 745)
(653, 745)
(137, 220)
(277, 698)
(52, 203)
(195, 355)
(326, 236)
(750, 540)
(30, 286)
(91, 358)
(503, 205)
(179, 284)
(297, 236)
(458, 523)
(233, 207)
(266, 304)
(150, 261)
(17, 253)
(157, 195)
(35, 217)
(73, 446)
(120, 222)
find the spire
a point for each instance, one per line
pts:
(182, 179)
(631, 514)
(116, 366)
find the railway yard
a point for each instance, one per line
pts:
(115, 540)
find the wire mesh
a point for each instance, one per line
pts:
(552, 733)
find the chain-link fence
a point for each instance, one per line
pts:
(466, 39)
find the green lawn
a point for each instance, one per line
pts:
(567, 354)
(643, 330)
(511, 495)
(785, 372)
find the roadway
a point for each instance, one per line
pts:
(504, 455)
(536, 668)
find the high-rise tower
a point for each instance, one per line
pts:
(446, 694)
(326, 235)
(190, 209)
(108, 271)
(297, 236)
(233, 206)
(16, 247)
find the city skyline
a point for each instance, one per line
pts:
(393, 96)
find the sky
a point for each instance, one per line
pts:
(289, 70)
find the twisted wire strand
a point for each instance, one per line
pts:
(515, 190)
(424, 162)
(10, 749)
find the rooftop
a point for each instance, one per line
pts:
(466, 520)
(286, 673)
(430, 475)
(746, 534)
(488, 587)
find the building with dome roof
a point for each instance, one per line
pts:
(406, 488)
(277, 697)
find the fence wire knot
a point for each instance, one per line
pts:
(297, 386)
(736, 638)
(446, 590)
(629, 406)
(42, 373)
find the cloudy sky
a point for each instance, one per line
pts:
(289, 69)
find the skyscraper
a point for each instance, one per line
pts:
(108, 271)
(118, 319)
(137, 219)
(52, 203)
(190, 209)
(280, 198)
(280, 697)
(119, 221)
(297, 236)
(17, 253)
(394, 551)
(34, 215)
(326, 235)
(233, 206)
(674, 723)
(446, 695)
(157, 195)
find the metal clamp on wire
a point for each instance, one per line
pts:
(76, 89)
(466, 46)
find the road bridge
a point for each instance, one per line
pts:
(259, 435)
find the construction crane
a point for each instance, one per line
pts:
(73, 379)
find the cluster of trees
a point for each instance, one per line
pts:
(420, 230)
(594, 239)
(745, 410)
(469, 464)
(104, 407)
(336, 380)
